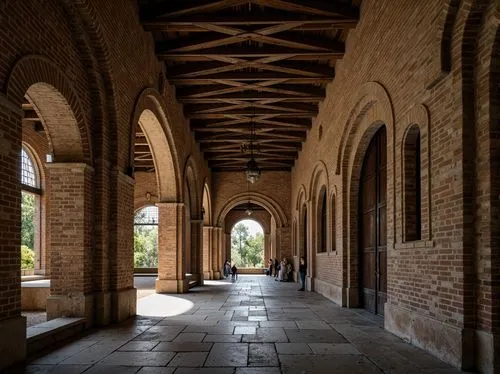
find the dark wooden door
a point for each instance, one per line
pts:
(373, 225)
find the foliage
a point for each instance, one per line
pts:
(27, 219)
(246, 250)
(27, 258)
(145, 246)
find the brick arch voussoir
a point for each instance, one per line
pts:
(319, 178)
(191, 180)
(372, 111)
(33, 70)
(276, 211)
(167, 169)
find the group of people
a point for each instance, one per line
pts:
(283, 271)
(230, 270)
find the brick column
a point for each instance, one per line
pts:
(227, 247)
(267, 249)
(208, 232)
(70, 222)
(171, 256)
(12, 324)
(217, 258)
(197, 250)
(123, 293)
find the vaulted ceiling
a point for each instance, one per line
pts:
(250, 64)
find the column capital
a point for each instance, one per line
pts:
(122, 176)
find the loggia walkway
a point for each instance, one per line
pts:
(252, 326)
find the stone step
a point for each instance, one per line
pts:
(51, 332)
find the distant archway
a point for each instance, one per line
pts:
(247, 244)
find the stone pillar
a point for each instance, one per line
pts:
(171, 256)
(208, 232)
(217, 258)
(12, 324)
(227, 247)
(267, 249)
(197, 250)
(70, 223)
(123, 293)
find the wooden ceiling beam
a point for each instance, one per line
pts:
(285, 78)
(330, 8)
(163, 52)
(297, 68)
(211, 41)
(177, 8)
(221, 90)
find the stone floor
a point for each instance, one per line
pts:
(252, 326)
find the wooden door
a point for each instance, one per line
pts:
(373, 225)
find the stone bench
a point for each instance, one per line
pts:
(49, 333)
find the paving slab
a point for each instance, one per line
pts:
(228, 354)
(189, 359)
(138, 358)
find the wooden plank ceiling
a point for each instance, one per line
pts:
(238, 64)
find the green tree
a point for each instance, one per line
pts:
(145, 246)
(27, 219)
(246, 249)
(27, 258)
(255, 250)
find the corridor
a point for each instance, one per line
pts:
(252, 326)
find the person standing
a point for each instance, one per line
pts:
(302, 273)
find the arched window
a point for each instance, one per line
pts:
(31, 259)
(322, 221)
(334, 226)
(146, 237)
(412, 190)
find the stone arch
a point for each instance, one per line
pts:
(265, 201)
(55, 101)
(207, 205)
(150, 114)
(372, 111)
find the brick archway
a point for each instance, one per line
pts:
(57, 104)
(372, 111)
(149, 113)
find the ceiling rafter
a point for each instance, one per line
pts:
(242, 64)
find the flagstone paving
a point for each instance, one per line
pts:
(252, 326)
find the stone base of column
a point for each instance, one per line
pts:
(487, 346)
(13, 342)
(102, 308)
(309, 283)
(73, 305)
(124, 304)
(217, 275)
(352, 294)
(208, 275)
(172, 285)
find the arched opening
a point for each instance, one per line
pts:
(32, 261)
(247, 244)
(146, 239)
(334, 223)
(372, 225)
(412, 190)
(303, 233)
(321, 243)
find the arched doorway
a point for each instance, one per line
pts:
(247, 244)
(372, 225)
